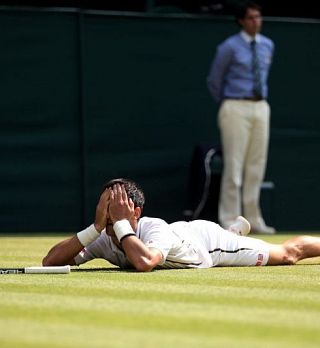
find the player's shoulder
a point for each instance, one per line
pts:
(148, 226)
(147, 220)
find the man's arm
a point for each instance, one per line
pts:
(64, 252)
(124, 217)
(143, 259)
(218, 69)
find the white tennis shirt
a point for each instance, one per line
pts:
(194, 244)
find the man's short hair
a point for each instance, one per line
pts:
(133, 190)
(241, 9)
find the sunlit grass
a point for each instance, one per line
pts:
(100, 306)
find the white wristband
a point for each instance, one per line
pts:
(88, 235)
(122, 228)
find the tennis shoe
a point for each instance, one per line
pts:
(241, 226)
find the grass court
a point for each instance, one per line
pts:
(99, 306)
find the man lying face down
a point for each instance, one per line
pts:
(123, 237)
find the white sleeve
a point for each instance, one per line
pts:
(97, 249)
(103, 248)
(156, 233)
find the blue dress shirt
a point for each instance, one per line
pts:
(231, 73)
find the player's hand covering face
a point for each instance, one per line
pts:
(102, 210)
(121, 207)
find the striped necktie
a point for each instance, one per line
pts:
(257, 88)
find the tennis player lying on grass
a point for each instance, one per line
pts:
(124, 238)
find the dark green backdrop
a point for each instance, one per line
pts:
(89, 96)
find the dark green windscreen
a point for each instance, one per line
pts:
(86, 97)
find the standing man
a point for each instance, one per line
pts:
(238, 82)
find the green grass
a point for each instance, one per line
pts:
(217, 307)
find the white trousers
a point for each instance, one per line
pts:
(244, 129)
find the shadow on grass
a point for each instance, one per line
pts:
(112, 270)
(102, 269)
(306, 262)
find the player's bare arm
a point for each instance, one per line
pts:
(144, 259)
(64, 252)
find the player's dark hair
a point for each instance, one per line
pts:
(240, 10)
(133, 190)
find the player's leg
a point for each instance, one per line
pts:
(231, 249)
(294, 250)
